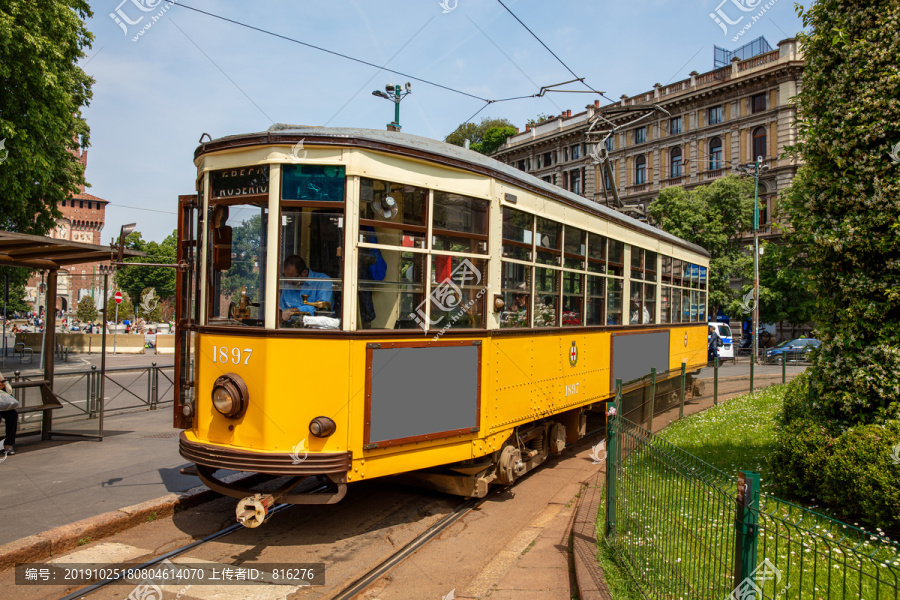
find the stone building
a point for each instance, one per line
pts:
(82, 220)
(685, 133)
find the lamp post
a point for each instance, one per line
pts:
(394, 93)
(756, 168)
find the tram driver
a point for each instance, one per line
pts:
(318, 293)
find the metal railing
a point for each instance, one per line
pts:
(684, 529)
(126, 388)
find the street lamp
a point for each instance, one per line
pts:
(755, 169)
(394, 93)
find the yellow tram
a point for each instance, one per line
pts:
(356, 303)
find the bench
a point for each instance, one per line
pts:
(49, 402)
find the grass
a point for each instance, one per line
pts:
(674, 519)
(151, 517)
(83, 541)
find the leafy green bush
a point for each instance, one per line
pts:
(802, 447)
(860, 477)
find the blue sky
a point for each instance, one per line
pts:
(189, 73)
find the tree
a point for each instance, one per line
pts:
(125, 311)
(715, 217)
(845, 212)
(245, 253)
(476, 134)
(137, 280)
(16, 290)
(87, 312)
(493, 139)
(42, 91)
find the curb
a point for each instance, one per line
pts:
(589, 576)
(35, 548)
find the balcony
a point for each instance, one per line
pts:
(637, 189)
(672, 181)
(713, 173)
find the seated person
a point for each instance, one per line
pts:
(291, 300)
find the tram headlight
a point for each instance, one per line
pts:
(322, 427)
(230, 395)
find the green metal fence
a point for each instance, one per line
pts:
(685, 530)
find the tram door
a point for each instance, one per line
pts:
(187, 293)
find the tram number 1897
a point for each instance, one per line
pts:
(223, 354)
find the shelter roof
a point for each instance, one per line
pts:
(39, 252)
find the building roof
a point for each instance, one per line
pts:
(39, 252)
(455, 156)
(90, 197)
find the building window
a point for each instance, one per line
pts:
(576, 152)
(548, 159)
(610, 143)
(607, 184)
(575, 181)
(548, 178)
(565, 155)
(81, 204)
(520, 165)
(675, 162)
(715, 154)
(758, 103)
(640, 170)
(640, 135)
(759, 143)
(715, 115)
(674, 125)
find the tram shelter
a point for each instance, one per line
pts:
(50, 254)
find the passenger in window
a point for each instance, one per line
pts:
(319, 295)
(372, 267)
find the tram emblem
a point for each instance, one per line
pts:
(685, 339)
(573, 354)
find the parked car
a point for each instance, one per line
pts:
(792, 350)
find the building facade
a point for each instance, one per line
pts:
(82, 220)
(708, 124)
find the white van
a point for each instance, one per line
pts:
(724, 331)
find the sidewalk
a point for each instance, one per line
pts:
(58, 482)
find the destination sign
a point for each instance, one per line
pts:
(243, 181)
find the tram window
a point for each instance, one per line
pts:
(685, 306)
(666, 271)
(614, 301)
(702, 307)
(393, 292)
(637, 262)
(574, 248)
(702, 278)
(596, 300)
(573, 299)
(320, 183)
(460, 223)
(237, 290)
(676, 272)
(616, 265)
(548, 239)
(393, 213)
(636, 304)
(695, 306)
(649, 312)
(695, 276)
(649, 266)
(458, 292)
(546, 297)
(676, 305)
(518, 228)
(516, 290)
(596, 253)
(665, 307)
(311, 267)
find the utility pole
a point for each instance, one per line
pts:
(757, 169)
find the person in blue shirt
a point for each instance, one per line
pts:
(291, 300)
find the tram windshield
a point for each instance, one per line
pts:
(237, 238)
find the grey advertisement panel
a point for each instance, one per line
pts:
(635, 354)
(423, 391)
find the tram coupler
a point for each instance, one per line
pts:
(253, 510)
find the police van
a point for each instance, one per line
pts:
(726, 350)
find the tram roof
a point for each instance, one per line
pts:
(429, 149)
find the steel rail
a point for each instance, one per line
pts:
(94, 587)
